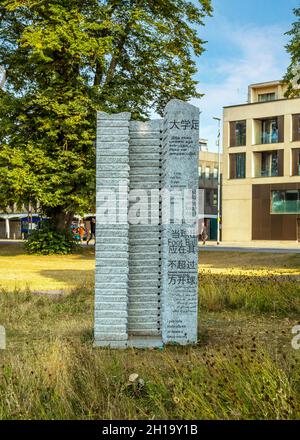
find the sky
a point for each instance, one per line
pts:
(245, 45)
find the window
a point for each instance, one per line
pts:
(296, 162)
(285, 202)
(296, 128)
(207, 172)
(238, 133)
(263, 97)
(269, 132)
(269, 164)
(237, 166)
(200, 171)
(215, 173)
(215, 198)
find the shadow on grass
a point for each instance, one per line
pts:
(75, 277)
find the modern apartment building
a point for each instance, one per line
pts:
(208, 182)
(261, 166)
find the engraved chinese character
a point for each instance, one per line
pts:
(172, 264)
(185, 124)
(175, 234)
(174, 124)
(182, 249)
(195, 124)
(173, 249)
(172, 280)
(191, 265)
(182, 264)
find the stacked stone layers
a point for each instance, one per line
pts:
(111, 282)
(145, 238)
(144, 266)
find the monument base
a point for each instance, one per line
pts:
(132, 342)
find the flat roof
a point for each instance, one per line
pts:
(260, 102)
(267, 83)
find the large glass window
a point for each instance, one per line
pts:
(296, 161)
(238, 166)
(296, 127)
(269, 164)
(238, 134)
(285, 202)
(269, 133)
(263, 97)
(207, 172)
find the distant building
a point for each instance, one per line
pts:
(208, 182)
(261, 167)
(203, 144)
(14, 222)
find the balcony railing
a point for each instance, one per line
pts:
(268, 173)
(286, 207)
(269, 138)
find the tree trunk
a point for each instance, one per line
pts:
(60, 220)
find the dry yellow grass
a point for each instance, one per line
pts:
(249, 263)
(19, 271)
(242, 368)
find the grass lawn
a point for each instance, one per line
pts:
(242, 368)
(19, 271)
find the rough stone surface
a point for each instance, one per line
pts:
(2, 338)
(179, 244)
(146, 272)
(111, 280)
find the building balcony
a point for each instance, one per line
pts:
(268, 163)
(269, 138)
(269, 131)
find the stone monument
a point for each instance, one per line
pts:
(146, 287)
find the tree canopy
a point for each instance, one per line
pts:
(65, 60)
(294, 50)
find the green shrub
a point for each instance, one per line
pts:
(47, 241)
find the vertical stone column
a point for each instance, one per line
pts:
(112, 266)
(179, 239)
(144, 307)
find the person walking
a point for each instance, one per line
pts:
(92, 231)
(204, 235)
(81, 231)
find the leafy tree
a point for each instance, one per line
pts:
(65, 60)
(294, 50)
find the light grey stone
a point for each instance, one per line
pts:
(117, 153)
(113, 116)
(179, 256)
(133, 260)
(117, 144)
(2, 338)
